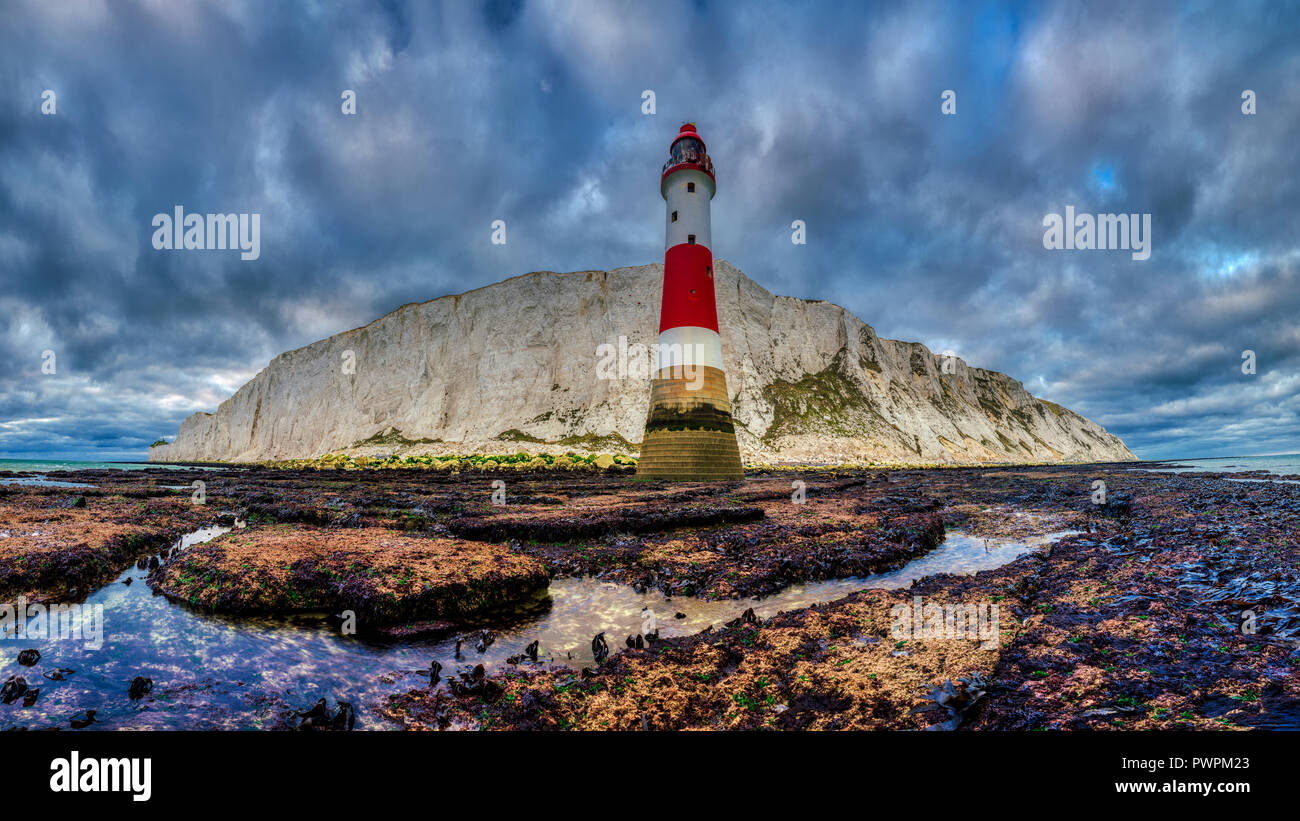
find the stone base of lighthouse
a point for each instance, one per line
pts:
(689, 434)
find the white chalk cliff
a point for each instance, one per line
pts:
(514, 366)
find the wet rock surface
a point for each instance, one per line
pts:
(1135, 623)
(378, 574)
(321, 717)
(59, 543)
(1175, 605)
(140, 687)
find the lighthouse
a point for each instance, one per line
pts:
(689, 434)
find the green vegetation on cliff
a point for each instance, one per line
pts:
(826, 402)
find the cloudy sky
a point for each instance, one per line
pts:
(927, 226)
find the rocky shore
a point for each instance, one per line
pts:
(1174, 604)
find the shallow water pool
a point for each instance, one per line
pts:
(213, 672)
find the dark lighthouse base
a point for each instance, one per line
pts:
(689, 433)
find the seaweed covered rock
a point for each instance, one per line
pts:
(58, 543)
(382, 575)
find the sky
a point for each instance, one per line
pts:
(927, 225)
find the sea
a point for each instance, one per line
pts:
(1278, 464)
(45, 465)
(33, 471)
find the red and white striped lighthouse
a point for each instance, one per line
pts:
(689, 430)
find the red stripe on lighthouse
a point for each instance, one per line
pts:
(688, 289)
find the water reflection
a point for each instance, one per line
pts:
(226, 673)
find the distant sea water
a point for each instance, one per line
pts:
(34, 470)
(1283, 464)
(44, 465)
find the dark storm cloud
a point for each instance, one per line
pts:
(928, 227)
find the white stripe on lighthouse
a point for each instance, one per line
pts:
(692, 208)
(689, 346)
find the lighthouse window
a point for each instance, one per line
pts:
(687, 150)
(690, 238)
(674, 216)
(690, 187)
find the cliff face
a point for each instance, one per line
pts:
(515, 366)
